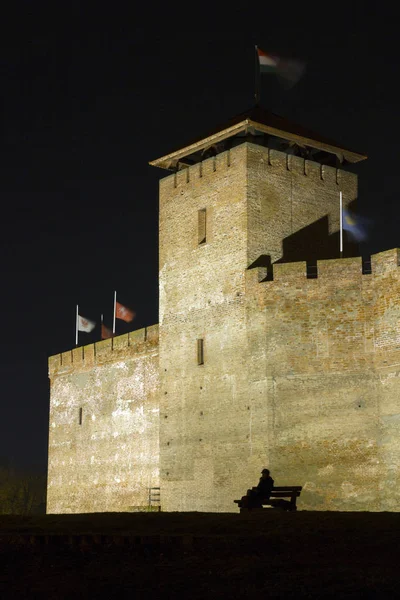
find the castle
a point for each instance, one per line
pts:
(270, 351)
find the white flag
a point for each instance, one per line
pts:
(85, 324)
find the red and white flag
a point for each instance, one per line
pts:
(105, 332)
(289, 70)
(85, 324)
(268, 63)
(123, 313)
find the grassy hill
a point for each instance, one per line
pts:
(200, 555)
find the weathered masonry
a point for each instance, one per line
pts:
(104, 426)
(270, 350)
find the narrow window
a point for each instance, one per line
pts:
(366, 265)
(200, 352)
(312, 269)
(202, 226)
(80, 416)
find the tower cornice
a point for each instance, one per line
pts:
(257, 123)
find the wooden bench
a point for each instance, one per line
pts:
(282, 491)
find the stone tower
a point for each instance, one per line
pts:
(257, 191)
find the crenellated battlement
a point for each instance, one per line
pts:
(121, 346)
(289, 271)
(274, 159)
(300, 166)
(385, 262)
(277, 160)
(306, 167)
(332, 270)
(200, 171)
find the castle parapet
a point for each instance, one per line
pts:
(290, 272)
(340, 267)
(201, 170)
(255, 275)
(383, 262)
(331, 270)
(85, 357)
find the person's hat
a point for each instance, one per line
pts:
(265, 471)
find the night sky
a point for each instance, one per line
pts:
(88, 98)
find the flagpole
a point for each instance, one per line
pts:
(257, 77)
(115, 307)
(76, 327)
(341, 225)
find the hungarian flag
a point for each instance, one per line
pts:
(123, 313)
(105, 332)
(267, 62)
(289, 70)
(85, 324)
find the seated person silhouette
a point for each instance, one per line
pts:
(256, 495)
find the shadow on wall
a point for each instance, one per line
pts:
(314, 243)
(310, 244)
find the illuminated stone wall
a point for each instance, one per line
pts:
(293, 205)
(110, 460)
(202, 297)
(329, 349)
(215, 425)
(300, 375)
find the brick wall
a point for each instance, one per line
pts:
(330, 349)
(109, 460)
(285, 196)
(201, 297)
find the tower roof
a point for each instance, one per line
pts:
(263, 127)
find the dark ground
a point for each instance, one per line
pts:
(200, 555)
